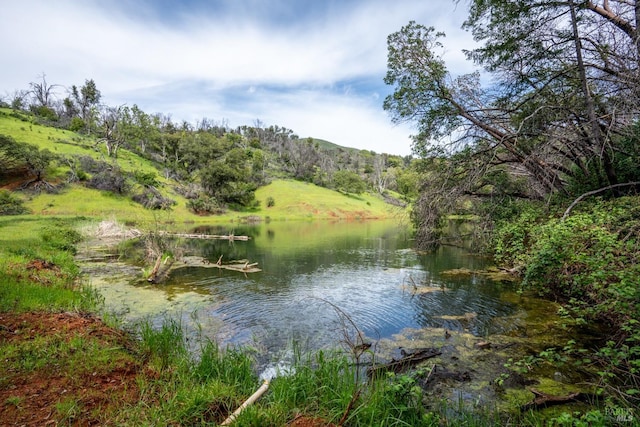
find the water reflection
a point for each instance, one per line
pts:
(367, 269)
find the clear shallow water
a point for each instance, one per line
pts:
(365, 269)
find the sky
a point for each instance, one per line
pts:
(313, 66)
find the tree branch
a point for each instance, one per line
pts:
(600, 190)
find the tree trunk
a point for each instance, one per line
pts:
(597, 139)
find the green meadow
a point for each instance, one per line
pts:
(294, 200)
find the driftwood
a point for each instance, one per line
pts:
(543, 400)
(154, 271)
(255, 396)
(241, 265)
(405, 362)
(160, 270)
(245, 267)
(230, 237)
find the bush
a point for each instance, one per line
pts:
(11, 204)
(109, 180)
(45, 113)
(189, 191)
(590, 262)
(151, 198)
(205, 205)
(586, 254)
(515, 228)
(76, 125)
(91, 165)
(349, 182)
(271, 202)
(146, 178)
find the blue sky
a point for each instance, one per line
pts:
(313, 66)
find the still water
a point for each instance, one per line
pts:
(313, 275)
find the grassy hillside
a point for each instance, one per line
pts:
(293, 199)
(301, 200)
(63, 142)
(326, 145)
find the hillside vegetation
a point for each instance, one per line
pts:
(71, 191)
(542, 146)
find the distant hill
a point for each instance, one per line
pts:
(281, 199)
(330, 146)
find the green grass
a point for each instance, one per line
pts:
(59, 354)
(300, 200)
(294, 200)
(66, 143)
(26, 244)
(68, 411)
(56, 140)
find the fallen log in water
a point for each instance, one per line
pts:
(161, 270)
(243, 268)
(405, 362)
(543, 400)
(241, 265)
(205, 236)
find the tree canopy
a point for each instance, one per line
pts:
(560, 113)
(15, 156)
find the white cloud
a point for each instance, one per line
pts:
(189, 61)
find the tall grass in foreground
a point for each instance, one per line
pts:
(326, 385)
(182, 388)
(37, 269)
(204, 389)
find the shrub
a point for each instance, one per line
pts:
(151, 198)
(515, 227)
(204, 205)
(586, 255)
(45, 113)
(189, 191)
(11, 204)
(76, 125)
(349, 182)
(271, 202)
(109, 180)
(591, 263)
(91, 165)
(146, 178)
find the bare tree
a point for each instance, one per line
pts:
(17, 99)
(380, 174)
(42, 91)
(112, 132)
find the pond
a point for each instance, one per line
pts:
(368, 270)
(321, 279)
